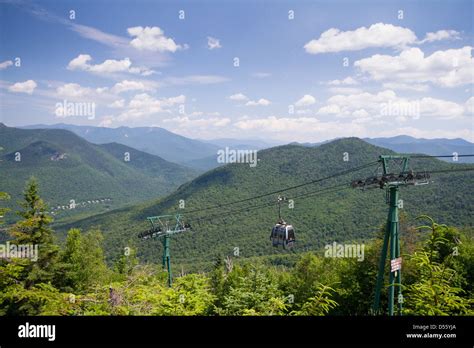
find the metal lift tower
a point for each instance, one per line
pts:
(391, 183)
(164, 226)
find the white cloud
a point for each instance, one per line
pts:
(213, 43)
(441, 35)
(345, 90)
(118, 104)
(23, 87)
(298, 128)
(5, 64)
(469, 105)
(330, 109)
(143, 105)
(196, 79)
(388, 104)
(450, 68)
(106, 121)
(73, 90)
(205, 127)
(361, 113)
(81, 62)
(348, 81)
(101, 95)
(152, 39)
(260, 102)
(306, 100)
(416, 87)
(377, 35)
(130, 85)
(238, 97)
(442, 109)
(304, 111)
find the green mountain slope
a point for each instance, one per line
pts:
(346, 215)
(70, 168)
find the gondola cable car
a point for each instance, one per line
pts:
(282, 233)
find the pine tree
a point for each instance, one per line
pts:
(33, 230)
(82, 261)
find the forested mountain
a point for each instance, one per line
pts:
(349, 214)
(70, 168)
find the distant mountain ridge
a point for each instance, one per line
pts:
(153, 140)
(433, 147)
(200, 154)
(407, 144)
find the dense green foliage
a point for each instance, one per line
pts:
(74, 279)
(87, 173)
(347, 215)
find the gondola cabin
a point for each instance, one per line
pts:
(283, 234)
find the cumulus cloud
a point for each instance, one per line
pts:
(298, 128)
(449, 68)
(330, 109)
(73, 90)
(213, 43)
(306, 100)
(5, 64)
(260, 102)
(130, 85)
(152, 39)
(142, 105)
(345, 90)
(82, 62)
(23, 87)
(195, 80)
(107, 121)
(118, 104)
(348, 81)
(416, 87)
(441, 35)
(238, 97)
(388, 104)
(469, 105)
(377, 35)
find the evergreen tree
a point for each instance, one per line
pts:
(33, 230)
(82, 261)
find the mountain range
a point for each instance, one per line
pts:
(201, 154)
(345, 215)
(70, 168)
(198, 154)
(433, 147)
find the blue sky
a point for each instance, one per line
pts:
(139, 64)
